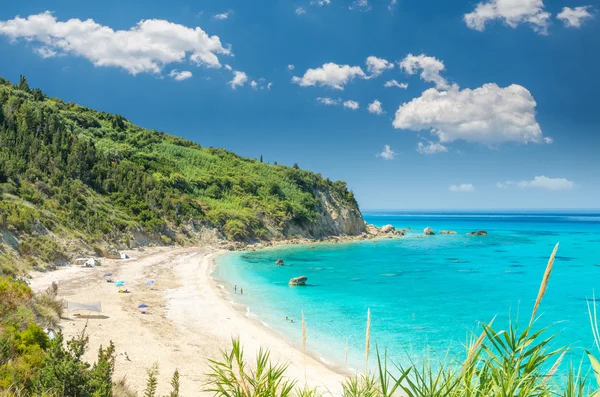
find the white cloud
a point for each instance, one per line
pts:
(320, 3)
(488, 114)
(146, 47)
(269, 86)
(431, 148)
(221, 16)
(392, 5)
(387, 153)
(239, 79)
(511, 12)
(360, 5)
(45, 52)
(228, 67)
(329, 101)
(376, 66)
(330, 74)
(254, 84)
(544, 182)
(375, 107)
(548, 140)
(430, 67)
(351, 105)
(300, 11)
(394, 83)
(290, 67)
(463, 187)
(574, 17)
(180, 76)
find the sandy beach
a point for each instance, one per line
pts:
(188, 319)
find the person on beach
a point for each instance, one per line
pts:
(241, 291)
(235, 289)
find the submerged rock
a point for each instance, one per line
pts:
(428, 231)
(279, 262)
(447, 232)
(478, 233)
(298, 280)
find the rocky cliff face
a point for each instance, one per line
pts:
(335, 218)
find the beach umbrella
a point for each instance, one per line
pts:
(149, 283)
(142, 306)
(120, 283)
(107, 274)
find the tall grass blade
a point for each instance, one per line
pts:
(304, 344)
(368, 341)
(544, 285)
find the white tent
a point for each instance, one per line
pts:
(91, 306)
(89, 262)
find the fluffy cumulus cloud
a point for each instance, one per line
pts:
(387, 153)
(329, 101)
(394, 83)
(291, 67)
(239, 79)
(351, 105)
(430, 68)
(180, 76)
(431, 147)
(488, 114)
(511, 12)
(463, 187)
(331, 75)
(144, 48)
(574, 17)
(375, 107)
(376, 66)
(300, 11)
(540, 182)
(320, 3)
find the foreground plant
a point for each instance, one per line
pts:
(232, 377)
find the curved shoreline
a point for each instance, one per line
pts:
(189, 320)
(257, 322)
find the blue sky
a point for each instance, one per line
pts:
(501, 108)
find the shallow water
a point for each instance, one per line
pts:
(426, 294)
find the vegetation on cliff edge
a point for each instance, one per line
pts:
(70, 172)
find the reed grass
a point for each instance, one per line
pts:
(544, 284)
(368, 341)
(304, 344)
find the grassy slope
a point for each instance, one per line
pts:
(71, 174)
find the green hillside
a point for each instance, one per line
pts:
(71, 174)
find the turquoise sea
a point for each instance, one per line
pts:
(426, 294)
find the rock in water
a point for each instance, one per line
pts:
(428, 231)
(447, 232)
(478, 233)
(298, 280)
(388, 229)
(279, 262)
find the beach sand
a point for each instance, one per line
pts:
(188, 319)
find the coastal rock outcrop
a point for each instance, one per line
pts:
(428, 231)
(447, 232)
(387, 229)
(335, 217)
(279, 262)
(478, 233)
(298, 281)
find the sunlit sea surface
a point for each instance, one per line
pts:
(426, 294)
